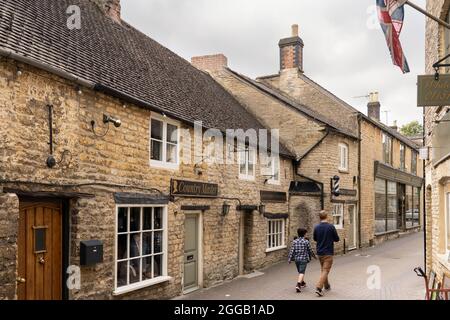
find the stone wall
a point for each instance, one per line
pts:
(121, 157)
(9, 225)
(436, 184)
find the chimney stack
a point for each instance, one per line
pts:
(395, 126)
(111, 8)
(374, 106)
(210, 63)
(291, 51)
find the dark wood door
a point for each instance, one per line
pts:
(40, 251)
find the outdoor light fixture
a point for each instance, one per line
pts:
(79, 92)
(225, 209)
(106, 120)
(262, 209)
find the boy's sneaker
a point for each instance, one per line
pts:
(328, 288)
(303, 285)
(319, 292)
(298, 289)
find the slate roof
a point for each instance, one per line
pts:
(120, 57)
(344, 104)
(309, 112)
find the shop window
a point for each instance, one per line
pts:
(414, 162)
(343, 157)
(392, 206)
(247, 160)
(402, 157)
(338, 215)
(141, 246)
(380, 206)
(409, 209)
(276, 234)
(416, 207)
(387, 149)
(164, 143)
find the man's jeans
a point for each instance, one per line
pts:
(326, 262)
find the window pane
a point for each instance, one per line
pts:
(122, 274)
(172, 133)
(135, 219)
(122, 247)
(158, 211)
(409, 207)
(147, 216)
(158, 266)
(392, 213)
(157, 129)
(122, 220)
(147, 268)
(171, 153)
(157, 242)
(147, 243)
(380, 205)
(135, 245)
(156, 152)
(135, 270)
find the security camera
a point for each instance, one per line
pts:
(116, 122)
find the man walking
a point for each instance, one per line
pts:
(325, 235)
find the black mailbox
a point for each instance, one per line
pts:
(91, 252)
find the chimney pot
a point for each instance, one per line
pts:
(295, 30)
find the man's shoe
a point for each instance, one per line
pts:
(328, 288)
(319, 292)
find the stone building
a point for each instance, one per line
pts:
(358, 148)
(104, 191)
(437, 168)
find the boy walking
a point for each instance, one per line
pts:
(301, 253)
(325, 235)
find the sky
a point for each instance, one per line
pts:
(345, 50)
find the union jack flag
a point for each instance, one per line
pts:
(391, 14)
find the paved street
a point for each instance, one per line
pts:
(396, 260)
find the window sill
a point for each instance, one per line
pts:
(345, 171)
(141, 285)
(275, 249)
(164, 165)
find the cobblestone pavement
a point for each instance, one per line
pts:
(349, 276)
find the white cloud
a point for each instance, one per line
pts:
(341, 52)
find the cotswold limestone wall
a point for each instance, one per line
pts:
(435, 232)
(9, 221)
(120, 157)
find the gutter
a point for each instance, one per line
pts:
(424, 199)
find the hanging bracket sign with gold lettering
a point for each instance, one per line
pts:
(432, 92)
(182, 188)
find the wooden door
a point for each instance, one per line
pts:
(40, 251)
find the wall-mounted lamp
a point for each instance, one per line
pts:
(106, 120)
(225, 209)
(262, 209)
(79, 91)
(19, 72)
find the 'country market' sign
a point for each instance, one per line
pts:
(432, 92)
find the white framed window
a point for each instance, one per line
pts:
(141, 247)
(343, 157)
(164, 142)
(338, 215)
(276, 234)
(274, 166)
(247, 160)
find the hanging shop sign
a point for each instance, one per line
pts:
(182, 188)
(432, 92)
(269, 196)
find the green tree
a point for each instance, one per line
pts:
(413, 128)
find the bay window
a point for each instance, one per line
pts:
(141, 247)
(164, 143)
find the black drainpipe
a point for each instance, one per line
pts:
(424, 200)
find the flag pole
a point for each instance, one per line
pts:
(429, 15)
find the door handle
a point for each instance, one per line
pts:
(191, 257)
(41, 260)
(21, 280)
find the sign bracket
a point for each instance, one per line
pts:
(439, 65)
